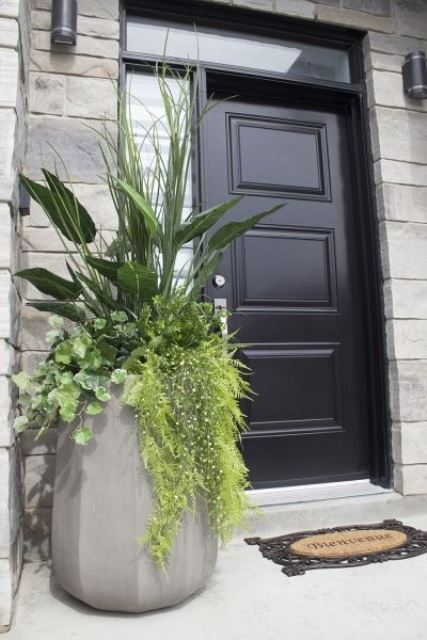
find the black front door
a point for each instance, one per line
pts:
(292, 283)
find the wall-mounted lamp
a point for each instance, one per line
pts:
(415, 75)
(64, 22)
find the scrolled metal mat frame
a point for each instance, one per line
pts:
(278, 549)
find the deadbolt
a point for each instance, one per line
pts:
(218, 281)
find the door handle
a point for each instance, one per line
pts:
(220, 306)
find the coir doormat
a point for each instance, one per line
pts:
(351, 546)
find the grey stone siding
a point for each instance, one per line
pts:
(14, 48)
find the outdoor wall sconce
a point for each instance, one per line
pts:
(415, 75)
(64, 22)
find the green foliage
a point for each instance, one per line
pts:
(186, 393)
(73, 381)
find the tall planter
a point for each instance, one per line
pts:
(102, 503)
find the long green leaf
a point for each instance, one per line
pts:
(142, 204)
(203, 221)
(226, 234)
(106, 268)
(73, 221)
(137, 280)
(64, 309)
(51, 284)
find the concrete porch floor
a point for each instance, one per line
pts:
(249, 598)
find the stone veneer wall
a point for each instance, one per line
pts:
(14, 47)
(71, 87)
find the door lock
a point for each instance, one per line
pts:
(218, 281)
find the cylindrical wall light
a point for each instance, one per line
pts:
(415, 75)
(64, 22)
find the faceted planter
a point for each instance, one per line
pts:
(102, 503)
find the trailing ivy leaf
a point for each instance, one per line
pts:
(93, 408)
(106, 268)
(118, 376)
(82, 435)
(119, 316)
(80, 345)
(141, 203)
(62, 208)
(21, 424)
(64, 309)
(203, 221)
(63, 352)
(22, 380)
(136, 279)
(56, 322)
(226, 234)
(100, 324)
(51, 284)
(102, 394)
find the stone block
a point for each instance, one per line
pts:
(410, 442)
(7, 358)
(98, 28)
(34, 326)
(7, 411)
(406, 299)
(30, 359)
(76, 144)
(393, 44)
(410, 479)
(86, 26)
(357, 19)
(31, 445)
(403, 249)
(7, 140)
(38, 481)
(399, 135)
(86, 45)
(376, 7)
(67, 63)
(37, 528)
(6, 591)
(385, 89)
(42, 240)
(96, 8)
(7, 232)
(261, 5)
(8, 32)
(402, 202)
(406, 339)
(411, 17)
(99, 8)
(384, 61)
(4, 505)
(408, 390)
(91, 98)
(402, 173)
(9, 74)
(47, 93)
(9, 8)
(6, 293)
(299, 8)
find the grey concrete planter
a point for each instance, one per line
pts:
(102, 502)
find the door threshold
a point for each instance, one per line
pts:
(314, 492)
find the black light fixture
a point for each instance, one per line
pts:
(415, 75)
(64, 22)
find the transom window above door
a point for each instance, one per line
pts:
(186, 42)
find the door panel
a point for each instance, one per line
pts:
(292, 284)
